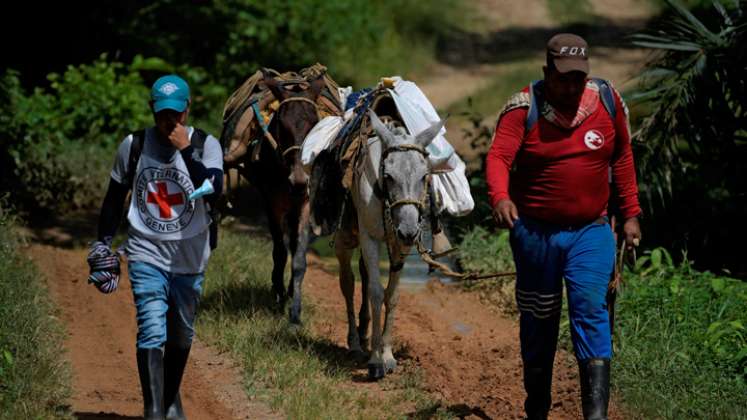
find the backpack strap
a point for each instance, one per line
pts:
(136, 149)
(608, 98)
(536, 99)
(198, 139)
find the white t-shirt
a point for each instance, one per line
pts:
(166, 228)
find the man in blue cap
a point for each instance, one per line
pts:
(169, 240)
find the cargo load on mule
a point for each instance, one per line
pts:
(249, 111)
(334, 146)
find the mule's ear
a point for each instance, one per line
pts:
(426, 136)
(272, 83)
(384, 134)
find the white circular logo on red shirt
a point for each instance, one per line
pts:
(593, 139)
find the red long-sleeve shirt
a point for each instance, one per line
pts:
(562, 175)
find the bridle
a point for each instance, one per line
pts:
(420, 202)
(295, 99)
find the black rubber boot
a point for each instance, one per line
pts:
(538, 385)
(175, 410)
(595, 388)
(150, 368)
(175, 360)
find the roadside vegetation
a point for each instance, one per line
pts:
(34, 378)
(681, 342)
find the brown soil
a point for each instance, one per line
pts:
(100, 345)
(469, 354)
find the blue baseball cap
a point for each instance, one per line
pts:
(170, 92)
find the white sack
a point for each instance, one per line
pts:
(452, 190)
(418, 114)
(319, 138)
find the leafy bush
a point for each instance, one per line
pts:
(485, 252)
(58, 146)
(359, 40)
(692, 146)
(34, 379)
(681, 343)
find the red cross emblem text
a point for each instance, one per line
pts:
(164, 200)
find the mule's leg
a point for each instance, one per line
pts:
(344, 253)
(298, 224)
(279, 254)
(370, 251)
(391, 297)
(364, 316)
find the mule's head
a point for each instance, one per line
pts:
(296, 116)
(404, 175)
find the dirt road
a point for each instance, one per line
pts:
(100, 345)
(468, 354)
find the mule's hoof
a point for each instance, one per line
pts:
(376, 371)
(390, 365)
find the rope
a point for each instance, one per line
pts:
(448, 272)
(290, 149)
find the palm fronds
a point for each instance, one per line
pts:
(695, 91)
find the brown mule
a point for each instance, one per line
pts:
(279, 176)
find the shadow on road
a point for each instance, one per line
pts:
(103, 416)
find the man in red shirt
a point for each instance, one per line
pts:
(567, 139)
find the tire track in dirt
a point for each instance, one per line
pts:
(468, 353)
(100, 345)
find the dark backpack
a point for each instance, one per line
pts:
(198, 142)
(536, 99)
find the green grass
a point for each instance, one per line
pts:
(566, 12)
(681, 342)
(295, 371)
(489, 252)
(34, 377)
(680, 335)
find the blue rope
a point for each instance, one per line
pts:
(257, 112)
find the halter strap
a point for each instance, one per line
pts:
(407, 147)
(295, 99)
(290, 149)
(298, 98)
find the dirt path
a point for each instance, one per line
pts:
(469, 354)
(446, 84)
(100, 345)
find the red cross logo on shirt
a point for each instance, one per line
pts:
(164, 200)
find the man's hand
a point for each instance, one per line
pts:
(632, 231)
(178, 137)
(505, 213)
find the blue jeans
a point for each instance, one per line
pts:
(546, 254)
(166, 305)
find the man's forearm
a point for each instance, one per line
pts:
(111, 210)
